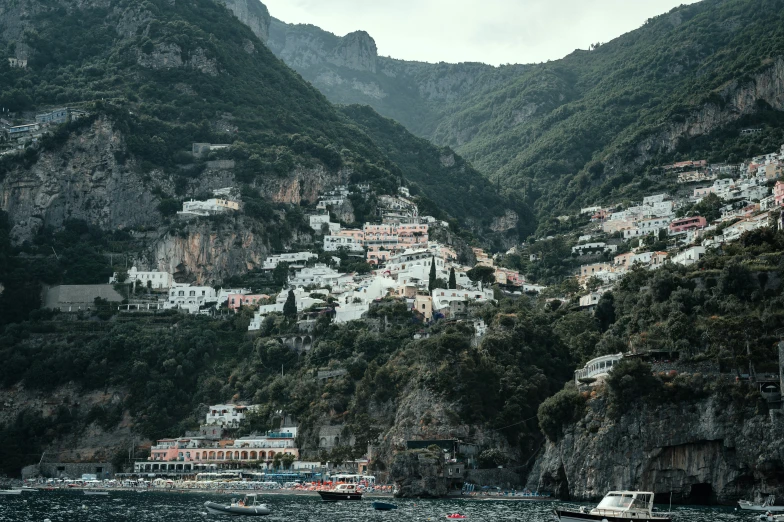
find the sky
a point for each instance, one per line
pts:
(490, 31)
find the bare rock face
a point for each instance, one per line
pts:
(82, 180)
(170, 56)
(417, 474)
(740, 99)
(356, 51)
(252, 13)
(207, 253)
(707, 450)
(506, 222)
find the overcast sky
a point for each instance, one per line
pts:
(490, 31)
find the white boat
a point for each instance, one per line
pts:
(10, 491)
(617, 506)
(96, 493)
(765, 506)
(248, 506)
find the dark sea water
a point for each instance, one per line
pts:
(73, 506)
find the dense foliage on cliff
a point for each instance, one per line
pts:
(574, 130)
(588, 127)
(721, 317)
(171, 74)
(467, 193)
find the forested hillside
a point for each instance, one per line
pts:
(170, 74)
(597, 122)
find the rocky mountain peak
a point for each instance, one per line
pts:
(356, 51)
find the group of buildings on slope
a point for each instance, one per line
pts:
(753, 199)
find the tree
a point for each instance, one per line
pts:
(482, 274)
(287, 460)
(280, 274)
(432, 281)
(290, 306)
(452, 279)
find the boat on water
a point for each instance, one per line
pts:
(383, 506)
(341, 492)
(247, 506)
(617, 506)
(10, 491)
(764, 506)
(456, 516)
(96, 493)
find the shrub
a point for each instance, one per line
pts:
(562, 408)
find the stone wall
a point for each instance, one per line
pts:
(503, 478)
(102, 470)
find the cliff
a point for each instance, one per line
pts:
(348, 70)
(252, 13)
(703, 451)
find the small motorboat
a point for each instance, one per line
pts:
(10, 491)
(766, 506)
(341, 492)
(456, 516)
(96, 493)
(248, 506)
(383, 506)
(617, 506)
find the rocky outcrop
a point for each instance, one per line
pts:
(208, 252)
(738, 99)
(506, 222)
(700, 451)
(170, 56)
(356, 51)
(303, 184)
(348, 70)
(418, 474)
(252, 13)
(82, 180)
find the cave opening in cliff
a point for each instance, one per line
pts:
(701, 494)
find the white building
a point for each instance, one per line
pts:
(350, 312)
(210, 207)
(153, 279)
(334, 243)
(228, 415)
(689, 256)
(327, 202)
(302, 300)
(319, 275)
(293, 258)
(443, 297)
(317, 223)
(190, 298)
(224, 293)
(593, 248)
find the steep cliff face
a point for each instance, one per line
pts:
(81, 180)
(738, 99)
(417, 474)
(348, 70)
(705, 451)
(252, 13)
(208, 252)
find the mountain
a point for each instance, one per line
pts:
(348, 70)
(589, 127)
(156, 77)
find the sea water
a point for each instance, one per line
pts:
(74, 506)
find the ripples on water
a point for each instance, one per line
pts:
(73, 506)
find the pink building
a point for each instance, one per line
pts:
(351, 232)
(778, 193)
(687, 223)
(412, 234)
(235, 301)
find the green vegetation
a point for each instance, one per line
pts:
(567, 132)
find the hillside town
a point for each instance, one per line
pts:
(395, 260)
